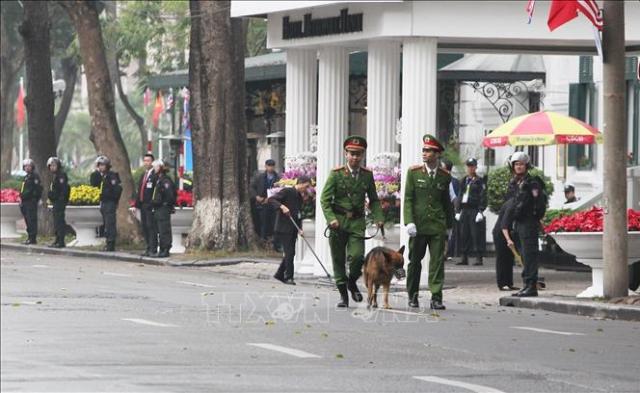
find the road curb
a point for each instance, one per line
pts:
(126, 257)
(575, 306)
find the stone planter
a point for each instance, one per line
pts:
(9, 214)
(84, 220)
(180, 224)
(587, 247)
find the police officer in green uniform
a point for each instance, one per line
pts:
(30, 193)
(59, 192)
(343, 204)
(163, 201)
(428, 215)
(110, 191)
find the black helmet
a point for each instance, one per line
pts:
(54, 160)
(472, 162)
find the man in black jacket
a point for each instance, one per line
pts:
(59, 192)
(259, 186)
(472, 203)
(143, 203)
(288, 202)
(110, 191)
(30, 193)
(164, 202)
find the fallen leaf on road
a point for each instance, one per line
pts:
(325, 335)
(269, 323)
(339, 356)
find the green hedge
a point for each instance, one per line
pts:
(499, 181)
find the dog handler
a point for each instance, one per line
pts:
(428, 215)
(343, 201)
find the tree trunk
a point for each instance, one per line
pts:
(70, 76)
(216, 79)
(11, 60)
(132, 112)
(39, 98)
(105, 133)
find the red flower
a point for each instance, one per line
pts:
(9, 195)
(185, 198)
(589, 221)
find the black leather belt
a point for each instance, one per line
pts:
(348, 213)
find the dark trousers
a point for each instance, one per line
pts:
(149, 227)
(417, 249)
(29, 210)
(471, 239)
(266, 218)
(453, 241)
(59, 224)
(108, 211)
(528, 245)
(162, 217)
(504, 260)
(288, 242)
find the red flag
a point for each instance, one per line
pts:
(561, 12)
(158, 109)
(20, 108)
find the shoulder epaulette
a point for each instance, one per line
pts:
(338, 168)
(415, 167)
(444, 171)
(365, 169)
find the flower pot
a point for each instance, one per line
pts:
(10, 213)
(84, 220)
(180, 224)
(587, 247)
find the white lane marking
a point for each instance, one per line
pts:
(289, 351)
(547, 331)
(116, 274)
(39, 265)
(464, 385)
(147, 322)
(195, 284)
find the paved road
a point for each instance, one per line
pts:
(72, 324)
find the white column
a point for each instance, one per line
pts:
(383, 97)
(333, 106)
(419, 92)
(302, 67)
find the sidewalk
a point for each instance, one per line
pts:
(473, 285)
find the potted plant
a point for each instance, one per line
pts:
(580, 234)
(83, 214)
(9, 212)
(181, 220)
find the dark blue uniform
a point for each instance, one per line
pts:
(59, 191)
(163, 201)
(110, 191)
(30, 193)
(143, 202)
(473, 200)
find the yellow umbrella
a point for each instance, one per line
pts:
(542, 128)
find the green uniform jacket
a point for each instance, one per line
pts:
(426, 201)
(342, 190)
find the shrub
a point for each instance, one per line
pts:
(589, 221)
(84, 195)
(499, 181)
(9, 195)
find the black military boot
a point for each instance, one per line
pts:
(413, 302)
(30, 240)
(436, 304)
(344, 302)
(465, 260)
(478, 261)
(111, 246)
(353, 288)
(164, 253)
(530, 290)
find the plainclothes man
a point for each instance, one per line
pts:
(143, 203)
(343, 203)
(30, 193)
(428, 214)
(473, 201)
(259, 186)
(288, 203)
(527, 210)
(110, 191)
(164, 202)
(59, 192)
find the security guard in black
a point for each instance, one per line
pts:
(58, 194)
(30, 193)
(163, 201)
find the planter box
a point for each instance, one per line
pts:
(587, 247)
(84, 220)
(9, 214)
(180, 224)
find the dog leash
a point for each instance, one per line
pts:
(328, 229)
